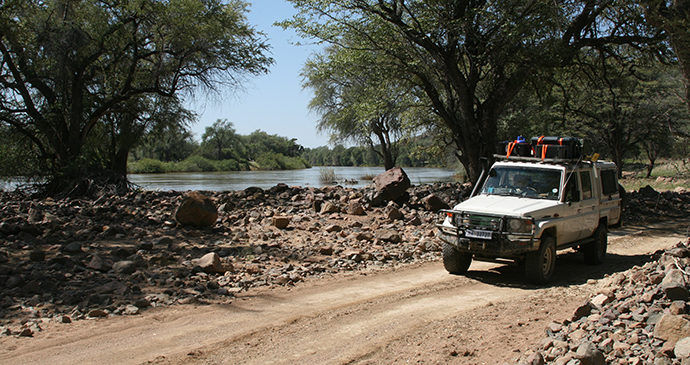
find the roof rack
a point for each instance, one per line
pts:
(537, 159)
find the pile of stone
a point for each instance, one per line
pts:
(70, 259)
(648, 204)
(639, 316)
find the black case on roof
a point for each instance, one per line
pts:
(556, 147)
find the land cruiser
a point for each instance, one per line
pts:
(537, 198)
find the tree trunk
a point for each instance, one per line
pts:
(119, 161)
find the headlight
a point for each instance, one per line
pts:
(518, 225)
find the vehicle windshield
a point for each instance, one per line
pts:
(523, 181)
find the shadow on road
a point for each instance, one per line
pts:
(570, 269)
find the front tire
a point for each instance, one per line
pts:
(595, 251)
(539, 264)
(454, 261)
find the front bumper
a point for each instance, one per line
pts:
(499, 246)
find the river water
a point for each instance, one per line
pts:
(240, 180)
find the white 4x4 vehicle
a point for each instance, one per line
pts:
(529, 207)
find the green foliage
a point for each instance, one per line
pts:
(260, 142)
(148, 166)
(357, 102)
(421, 152)
(277, 161)
(73, 70)
(467, 60)
(196, 163)
(220, 141)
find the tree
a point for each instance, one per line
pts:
(673, 16)
(68, 66)
(621, 106)
(469, 59)
(220, 141)
(169, 142)
(260, 142)
(357, 102)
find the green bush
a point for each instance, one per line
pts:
(196, 163)
(230, 165)
(271, 161)
(278, 161)
(147, 166)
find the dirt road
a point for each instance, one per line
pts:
(410, 314)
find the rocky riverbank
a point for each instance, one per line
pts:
(639, 316)
(71, 259)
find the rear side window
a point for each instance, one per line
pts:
(586, 180)
(609, 186)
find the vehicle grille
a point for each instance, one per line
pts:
(483, 222)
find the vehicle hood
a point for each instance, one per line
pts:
(509, 205)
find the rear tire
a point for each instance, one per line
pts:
(539, 264)
(595, 251)
(454, 261)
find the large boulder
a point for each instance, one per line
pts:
(197, 210)
(390, 186)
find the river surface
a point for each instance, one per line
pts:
(240, 180)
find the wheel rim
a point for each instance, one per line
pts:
(548, 260)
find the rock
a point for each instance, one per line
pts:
(9, 228)
(99, 264)
(162, 241)
(583, 310)
(364, 236)
(73, 247)
(535, 358)
(26, 332)
(95, 313)
(393, 213)
(434, 203)
(388, 235)
(333, 228)
(280, 222)
(648, 192)
(196, 210)
(329, 207)
(682, 348)
(142, 303)
(125, 267)
(211, 263)
(355, 207)
(672, 328)
(35, 215)
(115, 286)
(600, 300)
(415, 221)
(37, 255)
(326, 250)
(390, 186)
(130, 310)
(675, 286)
(677, 307)
(588, 354)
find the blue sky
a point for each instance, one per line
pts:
(274, 103)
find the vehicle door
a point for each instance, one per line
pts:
(588, 206)
(569, 229)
